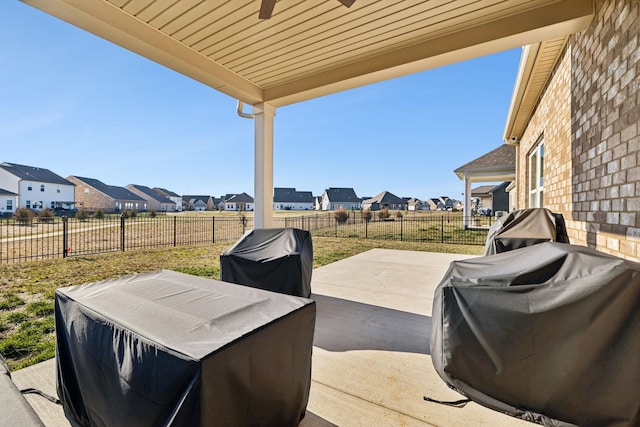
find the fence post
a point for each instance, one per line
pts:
(175, 231)
(442, 229)
(366, 228)
(401, 229)
(213, 229)
(65, 237)
(122, 232)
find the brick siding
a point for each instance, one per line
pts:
(589, 116)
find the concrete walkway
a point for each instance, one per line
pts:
(371, 361)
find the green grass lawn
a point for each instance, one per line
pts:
(27, 330)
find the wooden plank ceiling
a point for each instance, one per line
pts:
(310, 48)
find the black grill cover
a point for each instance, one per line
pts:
(549, 333)
(170, 349)
(525, 227)
(275, 259)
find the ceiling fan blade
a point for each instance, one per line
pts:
(266, 9)
(347, 3)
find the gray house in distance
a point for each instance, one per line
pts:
(93, 194)
(155, 201)
(494, 197)
(340, 198)
(384, 200)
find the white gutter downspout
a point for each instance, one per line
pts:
(263, 115)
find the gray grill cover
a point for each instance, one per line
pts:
(275, 259)
(549, 333)
(166, 348)
(523, 228)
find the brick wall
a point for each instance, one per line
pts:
(589, 116)
(89, 198)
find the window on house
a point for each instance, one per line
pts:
(58, 189)
(536, 176)
(28, 204)
(9, 205)
(29, 187)
(41, 187)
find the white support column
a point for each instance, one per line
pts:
(466, 211)
(263, 169)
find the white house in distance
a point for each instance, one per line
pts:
(37, 188)
(290, 199)
(8, 202)
(175, 198)
(340, 198)
(239, 202)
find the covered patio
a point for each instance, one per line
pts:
(304, 50)
(371, 361)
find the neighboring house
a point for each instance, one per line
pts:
(497, 165)
(384, 200)
(197, 203)
(438, 204)
(290, 199)
(414, 204)
(340, 198)
(238, 202)
(175, 198)
(93, 194)
(575, 122)
(155, 201)
(494, 197)
(8, 202)
(317, 203)
(37, 188)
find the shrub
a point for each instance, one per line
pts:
(366, 215)
(384, 213)
(82, 214)
(99, 214)
(46, 215)
(398, 214)
(152, 214)
(341, 216)
(23, 216)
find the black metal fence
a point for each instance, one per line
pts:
(64, 237)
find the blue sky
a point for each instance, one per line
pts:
(78, 105)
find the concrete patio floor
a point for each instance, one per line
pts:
(371, 362)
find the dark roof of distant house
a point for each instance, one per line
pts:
(342, 195)
(503, 157)
(151, 193)
(290, 195)
(7, 192)
(240, 198)
(32, 173)
(165, 192)
(193, 198)
(113, 191)
(385, 198)
(488, 189)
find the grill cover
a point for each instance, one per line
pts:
(275, 259)
(548, 333)
(167, 348)
(525, 227)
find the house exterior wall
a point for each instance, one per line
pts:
(91, 199)
(589, 117)
(39, 195)
(8, 204)
(293, 206)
